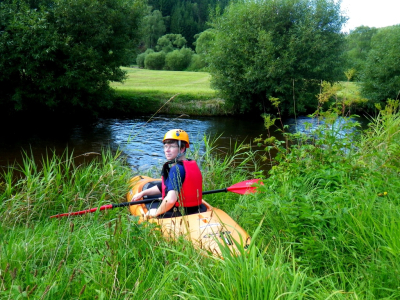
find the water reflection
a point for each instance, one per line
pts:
(341, 126)
(139, 138)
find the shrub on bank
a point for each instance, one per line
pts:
(197, 63)
(333, 197)
(142, 56)
(178, 60)
(380, 78)
(155, 61)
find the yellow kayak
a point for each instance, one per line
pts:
(207, 230)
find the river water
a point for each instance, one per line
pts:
(139, 138)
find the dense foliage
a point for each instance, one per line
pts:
(187, 17)
(61, 55)
(178, 60)
(333, 196)
(170, 42)
(204, 42)
(358, 45)
(154, 60)
(153, 27)
(173, 55)
(280, 49)
(324, 225)
(381, 76)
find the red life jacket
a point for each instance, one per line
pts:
(191, 191)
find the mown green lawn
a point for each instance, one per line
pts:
(165, 84)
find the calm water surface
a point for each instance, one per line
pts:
(138, 138)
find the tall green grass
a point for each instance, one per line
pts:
(108, 255)
(32, 190)
(334, 201)
(325, 225)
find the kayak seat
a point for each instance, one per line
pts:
(151, 184)
(177, 211)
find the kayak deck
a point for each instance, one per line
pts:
(206, 230)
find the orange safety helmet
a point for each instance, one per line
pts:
(177, 134)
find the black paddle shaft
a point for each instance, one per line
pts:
(148, 200)
(158, 196)
(215, 191)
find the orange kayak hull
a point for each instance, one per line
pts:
(209, 230)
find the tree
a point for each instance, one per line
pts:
(381, 76)
(170, 42)
(204, 42)
(184, 21)
(276, 49)
(59, 56)
(165, 6)
(187, 17)
(142, 57)
(153, 28)
(358, 44)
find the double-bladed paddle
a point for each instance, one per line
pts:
(242, 188)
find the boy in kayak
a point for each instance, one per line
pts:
(181, 180)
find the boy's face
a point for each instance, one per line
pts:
(171, 149)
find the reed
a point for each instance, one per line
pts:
(324, 226)
(333, 200)
(33, 190)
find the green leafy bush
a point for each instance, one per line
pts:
(59, 56)
(178, 60)
(332, 195)
(197, 63)
(358, 44)
(142, 56)
(155, 61)
(204, 44)
(171, 41)
(281, 49)
(381, 76)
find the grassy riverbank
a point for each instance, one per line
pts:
(149, 90)
(325, 225)
(165, 84)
